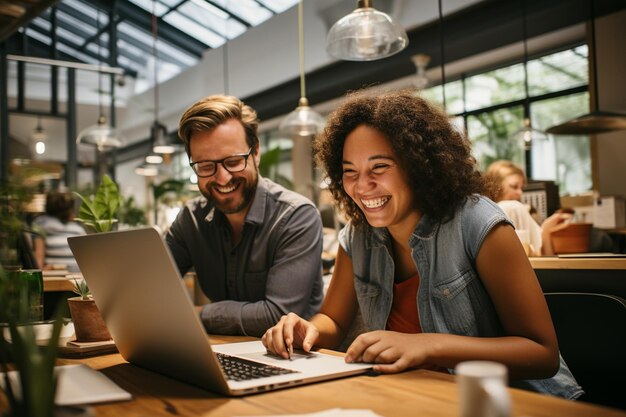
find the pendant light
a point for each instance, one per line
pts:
(420, 61)
(596, 121)
(38, 139)
(147, 170)
(366, 34)
(303, 121)
(527, 134)
(158, 131)
(101, 135)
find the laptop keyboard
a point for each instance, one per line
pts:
(238, 369)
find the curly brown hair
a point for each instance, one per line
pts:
(209, 112)
(435, 155)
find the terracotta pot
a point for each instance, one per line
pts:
(573, 239)
(88, 323)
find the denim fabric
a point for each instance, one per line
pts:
(451, 297)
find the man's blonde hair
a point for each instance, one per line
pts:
(212, 111)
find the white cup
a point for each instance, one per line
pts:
(483, 389)
(524, 237)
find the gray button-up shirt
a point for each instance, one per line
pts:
(274, 269)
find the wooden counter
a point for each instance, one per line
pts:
(413, 393)
(596, 275)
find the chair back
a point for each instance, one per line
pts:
(591, 330)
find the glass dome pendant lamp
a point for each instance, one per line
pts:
(303, 121)
(158, 131)
(101, 135)
(366, 34)
(38, 139)
(527, 134)
(596, 121)
(421, 80)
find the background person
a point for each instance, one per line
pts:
(507, 181)
(256, 247)
(55, 226)
(436, 269)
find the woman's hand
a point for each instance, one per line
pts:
(390, 351)
(556, 222)
(290, 331)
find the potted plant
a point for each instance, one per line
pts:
(31, 389)
(88, 323)
(98, 215)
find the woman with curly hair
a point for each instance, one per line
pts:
(435, 269)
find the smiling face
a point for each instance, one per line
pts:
(373, 178)
(231, 192)
(512, 187)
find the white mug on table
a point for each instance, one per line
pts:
(524, 237)
(483, 389)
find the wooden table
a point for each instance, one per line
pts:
(413, 393)
(596, 275)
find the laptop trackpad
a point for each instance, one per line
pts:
(313, 363)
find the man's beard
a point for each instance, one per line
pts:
(227, 206)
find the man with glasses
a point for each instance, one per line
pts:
(255, 246)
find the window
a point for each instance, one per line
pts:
(493, 105)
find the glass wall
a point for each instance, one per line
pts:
(493, 105)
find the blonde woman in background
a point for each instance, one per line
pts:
(508, 181)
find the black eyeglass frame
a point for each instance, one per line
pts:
(221, 161)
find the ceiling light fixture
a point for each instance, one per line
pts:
(420, 61)
(38, 139)
(527, 134)
(158, 131)
(303, 121)
(366, 34)
(596, 121)
(101, 135)
(147, 170)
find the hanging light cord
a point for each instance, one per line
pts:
(524, 38)
(301, 48)
(443, 60)
(156, 66)
(101, 115)
(596, 100)
(225, 63)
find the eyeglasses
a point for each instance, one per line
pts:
(232, 164)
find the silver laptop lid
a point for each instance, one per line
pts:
(131, 273)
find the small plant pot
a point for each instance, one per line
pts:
(573, 239)
(88, 323)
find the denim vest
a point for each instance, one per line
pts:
(451, 297)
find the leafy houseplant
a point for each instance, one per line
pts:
(81, 288)
(32, 393)
(88, 323)
(100, 214)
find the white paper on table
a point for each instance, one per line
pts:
(334, 412)
(78, 385)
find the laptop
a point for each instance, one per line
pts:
(149, 313)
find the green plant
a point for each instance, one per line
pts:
(81, 288)
(100, 214)
(270, 160)
(130, 214)
(34, 364)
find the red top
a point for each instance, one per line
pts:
(404, 316)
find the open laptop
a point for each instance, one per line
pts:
(148, 311)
